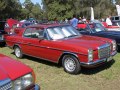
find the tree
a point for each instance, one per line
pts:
(36, 11)
(66, 8)
(9, 8)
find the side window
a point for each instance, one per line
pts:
(35, 33)
(43, 33)
(27, 32)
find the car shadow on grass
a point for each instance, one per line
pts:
(86, 71)
(90, 71)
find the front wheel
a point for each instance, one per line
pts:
(71, 64)
(18, 52)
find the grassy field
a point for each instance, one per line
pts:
(51, 76)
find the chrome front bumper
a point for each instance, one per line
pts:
(97, 62)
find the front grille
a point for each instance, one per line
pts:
(104, 51)
(6, 84)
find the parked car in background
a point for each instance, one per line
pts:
(60, 43)
(16, 76)
(96, 29)
(115, 18)
(115, 26)
(13, 26)
(2, 32)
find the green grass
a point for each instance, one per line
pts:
(51, 76)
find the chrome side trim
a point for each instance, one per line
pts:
(40, 58)
(75, 54)
(43, 47)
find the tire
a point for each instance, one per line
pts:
(71, 64)
(18, 52)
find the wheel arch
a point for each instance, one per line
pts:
(66, 53)
(16, 45)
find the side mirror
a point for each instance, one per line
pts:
(41, 37)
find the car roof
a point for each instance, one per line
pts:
(46, 25)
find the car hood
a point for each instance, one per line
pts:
(112, 34)
(12, 69)
(80, 44)
(11, 22)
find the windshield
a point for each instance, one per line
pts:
(62, 32)
(97, 27)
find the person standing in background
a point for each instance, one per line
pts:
(74, 21)
(108, 21)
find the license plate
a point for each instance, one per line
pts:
(109, 59)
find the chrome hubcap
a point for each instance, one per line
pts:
(70, 64)
(17, 52)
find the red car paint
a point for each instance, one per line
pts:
(11, 22)
(81, 26)
(52, 50)
(13, 70)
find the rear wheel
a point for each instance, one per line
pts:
(71, 64)
(18, 52)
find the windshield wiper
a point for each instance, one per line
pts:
(72, 35)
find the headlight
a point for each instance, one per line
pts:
(22, 82)
(113, 45)
(90, 55)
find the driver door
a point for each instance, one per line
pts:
(41, 47)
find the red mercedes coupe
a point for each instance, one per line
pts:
(60, 43)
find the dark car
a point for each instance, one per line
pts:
(2, 31)
(97, 29)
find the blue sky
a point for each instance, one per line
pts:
(34, 1)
